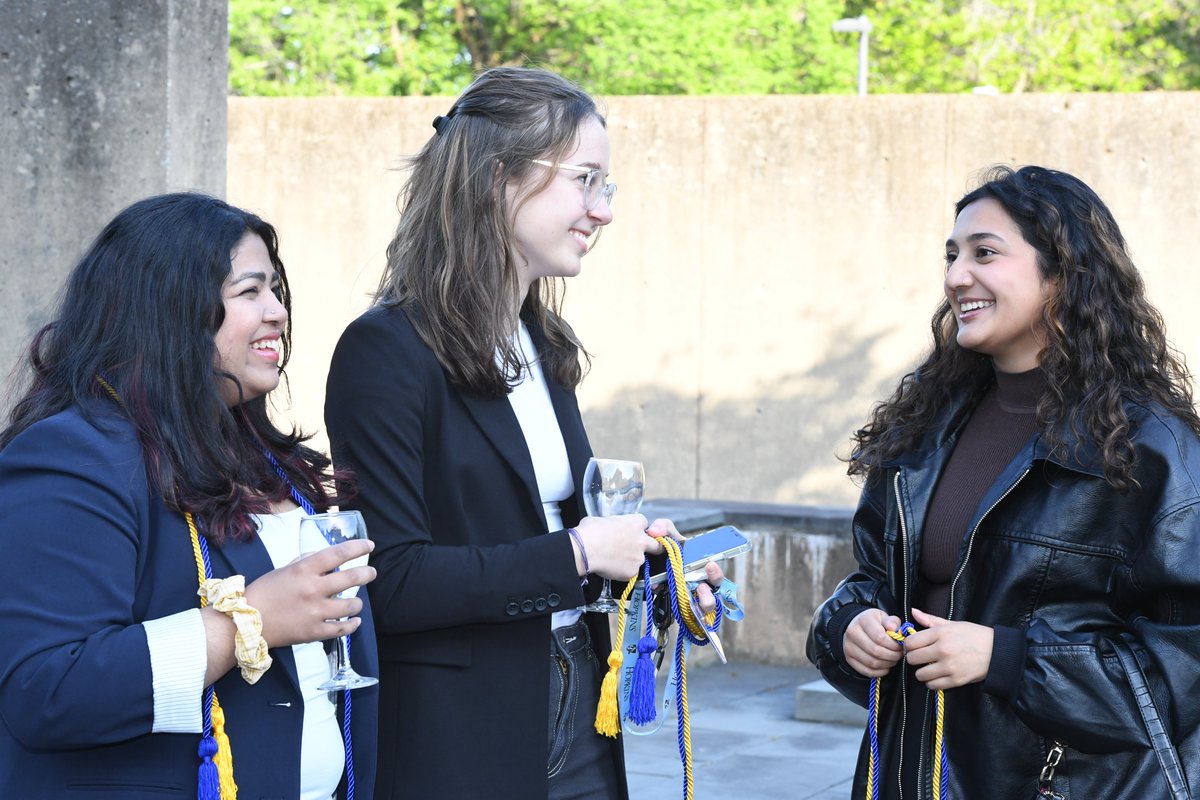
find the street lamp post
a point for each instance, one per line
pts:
(862, 26)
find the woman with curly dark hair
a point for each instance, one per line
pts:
(1025, 616)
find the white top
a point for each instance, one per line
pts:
(530, 400)
(322, 752)
(179, 657)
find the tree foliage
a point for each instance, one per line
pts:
(385, 47)
(1033, 45)
(370, 47)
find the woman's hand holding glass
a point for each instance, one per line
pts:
(299, 603)
(616, 546)
(319, 532)
(611, 488)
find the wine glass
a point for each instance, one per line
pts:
(325, 530)
(611, 487)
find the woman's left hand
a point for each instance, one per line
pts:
(948, 654)
(713, 577)
(713, 574)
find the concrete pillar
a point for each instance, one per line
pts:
(102, 102)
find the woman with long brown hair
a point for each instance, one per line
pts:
(453, 401)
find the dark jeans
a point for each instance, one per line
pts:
(580, 764)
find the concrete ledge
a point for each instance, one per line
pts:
(696, 515)
(817, 701)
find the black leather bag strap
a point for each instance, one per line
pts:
(1159, 740)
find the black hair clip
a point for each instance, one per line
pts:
(439, 122)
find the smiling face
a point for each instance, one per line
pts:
(248, 343)
(995, 287)
(551, 227)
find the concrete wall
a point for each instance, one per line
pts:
(104, 102)
(773, 263)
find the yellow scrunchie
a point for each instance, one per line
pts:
(228, 595)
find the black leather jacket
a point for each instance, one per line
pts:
(1064, 568)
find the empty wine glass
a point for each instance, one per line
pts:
(611, 487)
(325, 530)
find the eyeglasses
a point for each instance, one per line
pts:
(593, 186)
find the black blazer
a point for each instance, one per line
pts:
(468, 574)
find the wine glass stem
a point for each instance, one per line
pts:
(341, 655)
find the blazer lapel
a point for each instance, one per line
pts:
(566, 409)
(498, 421)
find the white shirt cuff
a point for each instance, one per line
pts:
(178, 660)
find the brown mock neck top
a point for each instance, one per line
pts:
(999, 427)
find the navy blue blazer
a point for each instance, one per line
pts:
(87, 552)
(468, 573)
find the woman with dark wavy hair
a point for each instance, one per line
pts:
(453, 401)
(1025, 616)
(139, 473)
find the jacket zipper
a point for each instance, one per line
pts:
(971, 540)
(903, 663)
(950, 615)
(903, 538)
(554, 768)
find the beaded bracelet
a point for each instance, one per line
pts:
(582, 552)
(228, 595)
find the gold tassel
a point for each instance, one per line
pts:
(606, 710)
(224, 757)
(608, 721)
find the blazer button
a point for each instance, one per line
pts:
(527, 606)
(554, 600)
(540, 604)
(511, 609)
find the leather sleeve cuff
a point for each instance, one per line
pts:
(1008, 662)
(838, 623)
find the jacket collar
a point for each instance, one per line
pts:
(498, 422)
(1084, 457)
(921, 467)
(578, 450)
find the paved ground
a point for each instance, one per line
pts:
(746, 744)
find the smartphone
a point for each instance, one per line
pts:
(718, 544)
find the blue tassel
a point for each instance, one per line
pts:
(210, 782)
(641, 688)
(641, 691)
